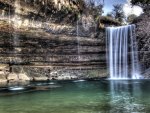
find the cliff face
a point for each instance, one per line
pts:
(143, 36)
(47, 50)
(44, 44)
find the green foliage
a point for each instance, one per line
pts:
(93, 8)
(141, 3)
(130, 18)
(68, 12)
(109, 20)
(109, 15)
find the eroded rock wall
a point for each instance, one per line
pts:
(39, 43)
(44, 54)
(143, 37)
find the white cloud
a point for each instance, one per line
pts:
(129, 9)
(137, 10)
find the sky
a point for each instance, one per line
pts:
(127, 7)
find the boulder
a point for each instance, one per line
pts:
(3, 79)
(12, 77)
(3, 83)
(19, 83)
(23, 77)
(4, 67)
(41, 78)
(3, 73)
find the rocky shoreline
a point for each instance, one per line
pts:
(9, 77)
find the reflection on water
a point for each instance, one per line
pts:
(17, 88)
(125, 95)
(81, 80)
(104, 96)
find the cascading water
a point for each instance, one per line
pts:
(122, 55)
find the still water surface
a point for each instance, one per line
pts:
(104, 96)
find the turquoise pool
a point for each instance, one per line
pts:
(101, 96)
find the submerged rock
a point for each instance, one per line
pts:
(43, 88)
(14, 77)
(3, 74)
(18, 83)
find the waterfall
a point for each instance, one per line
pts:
(122, 54)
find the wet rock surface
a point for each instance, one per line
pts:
(143, 37)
